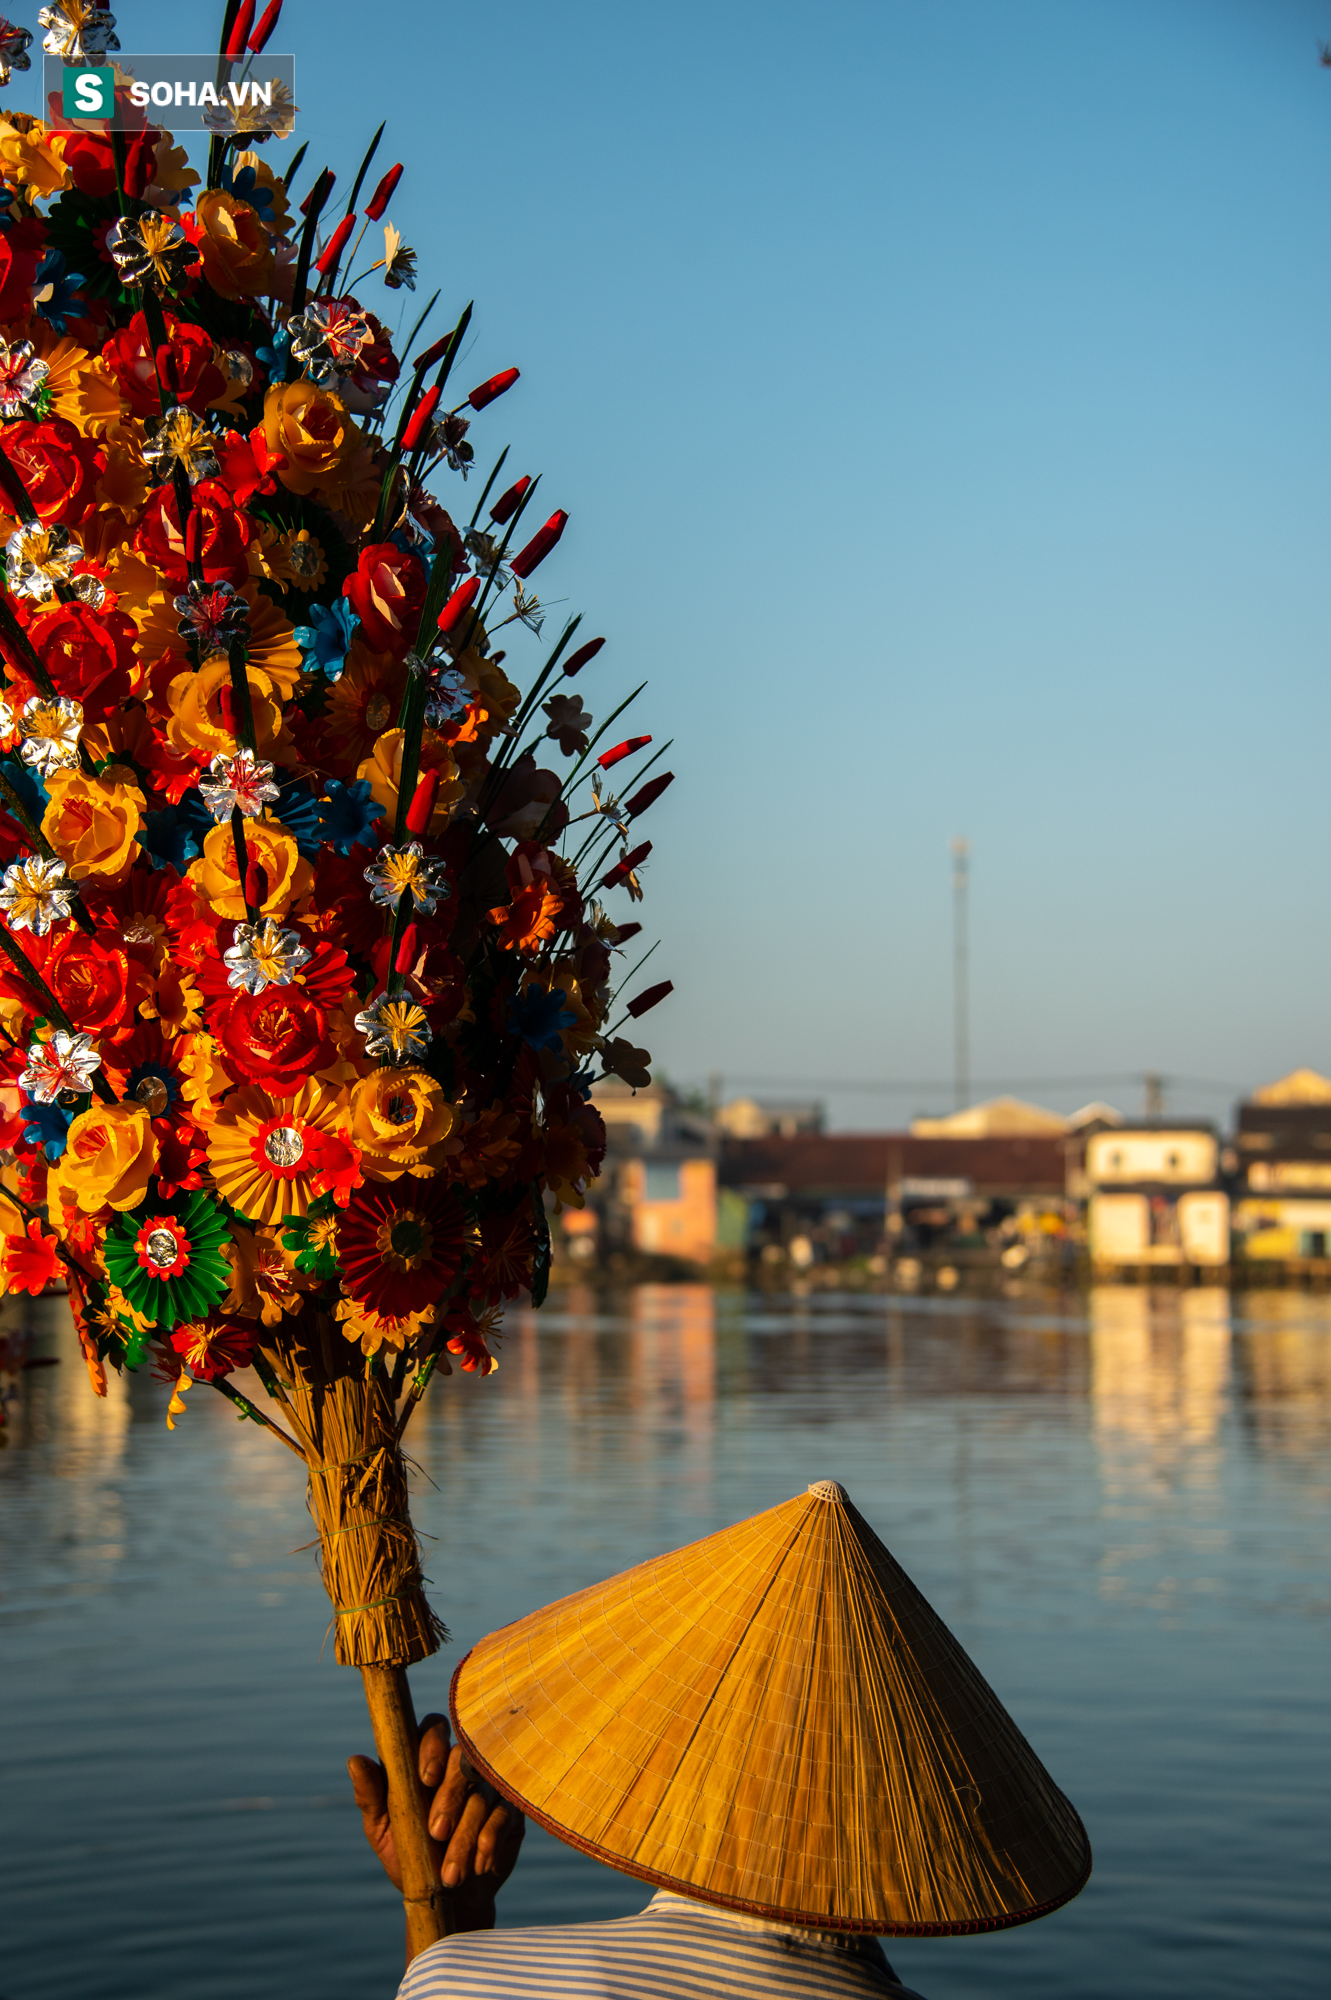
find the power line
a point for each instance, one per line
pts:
(904, 1086)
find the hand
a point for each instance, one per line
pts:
(475, 1834)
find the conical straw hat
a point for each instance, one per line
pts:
(773, 1719)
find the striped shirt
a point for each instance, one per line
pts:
(675, 1949)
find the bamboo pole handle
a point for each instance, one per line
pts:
(388, 1698)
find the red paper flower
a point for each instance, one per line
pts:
(57, 465)
(275, 1038)
(209, 1348)
(29, 1263)
(400, 1244)
(96, 983)
(387, 590)
(227, 534)
(188, 356)
(90, 655)
(21, 247)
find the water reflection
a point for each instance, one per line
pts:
(1120, 1500)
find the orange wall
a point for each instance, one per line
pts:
(685, 1228)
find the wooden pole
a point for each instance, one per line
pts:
(396, 1737)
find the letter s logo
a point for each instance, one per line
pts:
(88, 93)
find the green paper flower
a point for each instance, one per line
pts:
(312, 1240)
(166, 1257)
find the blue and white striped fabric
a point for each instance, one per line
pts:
(675, 1949)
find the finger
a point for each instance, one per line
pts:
(434, 1746)
(450, 1798)
(370, 1790)
(496, 1838)
(459, 1861)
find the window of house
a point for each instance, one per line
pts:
(1171, 1161)
(662, 1181)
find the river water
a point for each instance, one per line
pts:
(1119, 1503)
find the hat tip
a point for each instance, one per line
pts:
(828, 1489)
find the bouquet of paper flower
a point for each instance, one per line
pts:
(302, 990)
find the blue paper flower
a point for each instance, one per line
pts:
(540, 1017)
(243, 183)
(66, 301)
(24, 780)
(175, 834)
(348, 815)
(48, 1126)
(300, 812)
(162, 1076)
(324, 641)
(274, 358)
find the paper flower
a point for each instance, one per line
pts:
(242, 780)
(14, 46)
(400, 1245)
(36, 894)
(213, 615)
(22, 376)
(177, 438)
(264, 955)
(326, 639)
(50, 731)
(152, 250)
(29, 1263)
(394, 1026)
(168, 1260)
(328, 339)
(400, 871)
(274, 1157)
(66, 1062)
(37, 558)
(74, 28)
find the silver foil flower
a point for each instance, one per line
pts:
(73, 28)
(37, 558)
(394, 1026)
(328, 339)
(66, 1062)
(213, 615)
(36, 894)
(399, 869)
(153, 250)
(14, 46)
(50, 729)
(264, 955)
(447, 696)
(177, 438)
(22, 374)
(242, 780)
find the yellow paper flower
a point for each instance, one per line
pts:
(92, 822)
(311, 428)
(273, 649)
(383, 768)
(363, 701)
(194, 719)
(31, 159)
(264, 1278)
(204, 1079)
(110, 1156)
(272, 1156)
(290, 876)
(400, 1119)
(235, 247)
(375, 1330)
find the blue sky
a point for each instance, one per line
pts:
(940, 394)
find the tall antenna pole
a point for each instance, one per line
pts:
(961, 1012)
